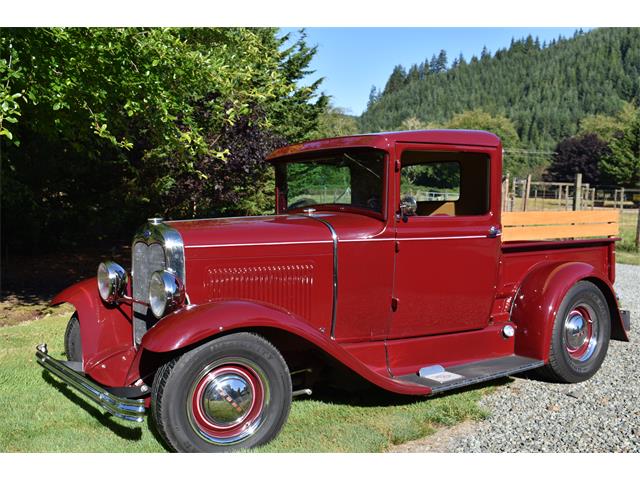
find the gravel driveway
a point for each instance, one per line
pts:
(600, 415)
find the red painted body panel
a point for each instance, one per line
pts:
(387, 140)
(250, 232)
(455, 287)
(446, 268)
(538, 299)
(522, 258)
(409, 355)
(105, 333)
(196, 323)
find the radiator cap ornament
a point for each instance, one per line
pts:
(155, 220)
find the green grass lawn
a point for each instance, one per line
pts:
(626, 251)
(41, 415)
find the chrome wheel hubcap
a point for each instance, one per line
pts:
(227, 401)
(580, 332)
(227, 398)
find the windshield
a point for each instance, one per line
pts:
(347, 179)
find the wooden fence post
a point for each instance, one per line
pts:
(577, 194)
(637, 232)
(527, 192)
(621, 201)
(505, 192)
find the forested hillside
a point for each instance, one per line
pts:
(545, 90)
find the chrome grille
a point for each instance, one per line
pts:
(146, 260)
(156, 246)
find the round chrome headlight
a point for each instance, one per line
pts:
(166, 293)
(112, 281)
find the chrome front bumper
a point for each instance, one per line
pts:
(125, 408)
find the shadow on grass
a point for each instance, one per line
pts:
(105, 419)
(153, 428)
(376, 397)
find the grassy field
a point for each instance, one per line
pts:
(42, 415)
(626, 251)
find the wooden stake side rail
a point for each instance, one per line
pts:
(551, 225)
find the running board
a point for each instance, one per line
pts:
(439, 379)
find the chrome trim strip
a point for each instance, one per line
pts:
(229, 218)
(125, 408)
(412, 239)
(334, 237)
(256, 244)
(353, 240)
(461, 237)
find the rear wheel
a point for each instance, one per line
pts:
(72, 345)
(581, 332)
(231, 393)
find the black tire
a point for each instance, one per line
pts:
(578, 362)
(72, 342)
(191, 397)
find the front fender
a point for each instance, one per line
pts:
(539, 298)
(193, 324)
(105, 332)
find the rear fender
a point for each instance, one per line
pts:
(193, 324)
(539, 298)
(105, 332)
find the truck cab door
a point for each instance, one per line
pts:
(448, 247)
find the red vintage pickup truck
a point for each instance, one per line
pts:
(385, 263)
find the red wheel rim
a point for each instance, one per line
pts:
(227, 402)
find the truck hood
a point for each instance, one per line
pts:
(275, 229)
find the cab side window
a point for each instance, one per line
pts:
(445, 183)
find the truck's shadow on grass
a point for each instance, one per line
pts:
(376, 397)
(105, 419)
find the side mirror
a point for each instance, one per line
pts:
(408, 207)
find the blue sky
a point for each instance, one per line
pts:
(354, 59)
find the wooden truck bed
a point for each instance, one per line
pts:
(523, 226)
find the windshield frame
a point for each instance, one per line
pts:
(281, 193)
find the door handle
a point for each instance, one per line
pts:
(494, 232)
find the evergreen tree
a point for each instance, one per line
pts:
(433, 64)
(546, 91)
(413, 75)
(441, 62)
(396, 80)
(373, 97)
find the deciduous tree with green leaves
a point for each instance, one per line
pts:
(102, 126)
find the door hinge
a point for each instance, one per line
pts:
(394, 304)
(397, 165)
(397, 246)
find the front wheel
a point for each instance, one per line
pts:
(580, 338)
(72, 341)
(231, 393)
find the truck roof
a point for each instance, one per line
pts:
(385, 140)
